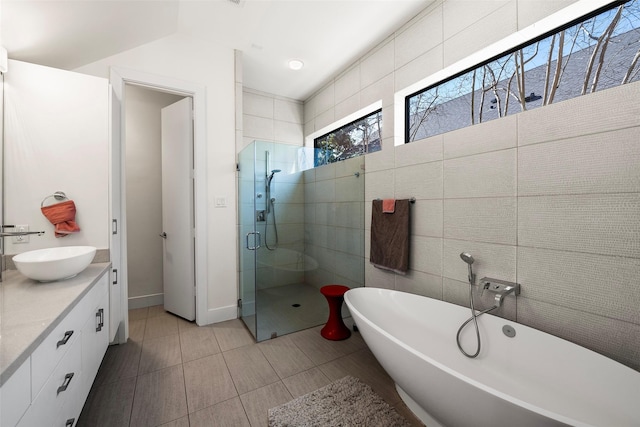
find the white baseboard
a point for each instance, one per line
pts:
(146, 301)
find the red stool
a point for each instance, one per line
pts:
(335, 329)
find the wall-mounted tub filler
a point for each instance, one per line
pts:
(501, 288)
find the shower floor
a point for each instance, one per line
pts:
(286, 309)
(289, 308)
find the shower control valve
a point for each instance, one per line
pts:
(501, 288)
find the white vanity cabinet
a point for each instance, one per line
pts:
(62, 368)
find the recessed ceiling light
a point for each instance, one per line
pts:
(296, 64)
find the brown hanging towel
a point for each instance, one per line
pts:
(390, 236)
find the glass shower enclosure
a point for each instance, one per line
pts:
(300, 228)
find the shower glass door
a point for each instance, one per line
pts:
(249, 239)
(299, 228)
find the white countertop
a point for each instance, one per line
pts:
(30, 310)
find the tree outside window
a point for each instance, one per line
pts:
(359, 137)
(599, 52)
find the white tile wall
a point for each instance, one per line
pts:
(426, 254)
(423, 151)
(427, 218)
(600, 224)
(491, 260)
(489, 220)
(255, 104)
(613, 338)
(461, 14)
(582, 164)
(582, 116)
(287, 132)
(549, 197)
(348, 84)
(381, 89)
(497, 25)
(424, 35)
(288, 111)
(383, 159)
(377, 65)
(258, 128)
(423, 181)
(531, 11)
(482, 175)
(481, 138)
(604, 285)
(348, 106)
(417, 282)
(424, 65)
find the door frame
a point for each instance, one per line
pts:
(119, 77)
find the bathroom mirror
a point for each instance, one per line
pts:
(1, 162)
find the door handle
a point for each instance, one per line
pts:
(163, 235)
(259, 242)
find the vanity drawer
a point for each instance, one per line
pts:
(62, 387)
(49, 353)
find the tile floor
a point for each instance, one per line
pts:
(174, 373)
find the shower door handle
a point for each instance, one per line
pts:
(258, 240)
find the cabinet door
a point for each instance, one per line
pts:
(15, 395)
(95, 336)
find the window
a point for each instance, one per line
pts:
(356, 138)
(596, 52)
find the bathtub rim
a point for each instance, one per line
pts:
(474, 383)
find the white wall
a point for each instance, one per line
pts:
(210, 65)
(144, 193)
(270, 118)
(549, 197)
(56, 139)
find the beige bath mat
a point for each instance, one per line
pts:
(346, 402)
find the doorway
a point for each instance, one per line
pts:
(159, 200)
(122, 79)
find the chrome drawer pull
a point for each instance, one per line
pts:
(64, 339)
(65, 384)
(70, 422)
(100, 316)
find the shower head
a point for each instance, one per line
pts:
(466, 257)
(270, 177)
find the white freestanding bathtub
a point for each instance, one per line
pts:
(533, 379)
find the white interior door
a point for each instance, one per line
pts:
(177, 209)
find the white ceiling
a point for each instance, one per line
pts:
(326, 35)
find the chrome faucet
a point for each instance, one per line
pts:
(500, 287)
(19, 233)
(11, 234)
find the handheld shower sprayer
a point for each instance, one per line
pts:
(269, 202)
(466, 257)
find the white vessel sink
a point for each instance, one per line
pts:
(48, 265)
